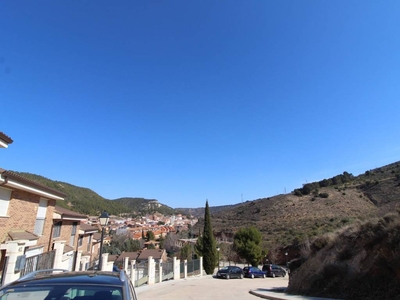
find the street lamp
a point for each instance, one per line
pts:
(218, 257)
(286, 254)
(103, 219)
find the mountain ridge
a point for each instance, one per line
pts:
(285, 219)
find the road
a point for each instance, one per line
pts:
(207, 287)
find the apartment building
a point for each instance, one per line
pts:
(31, 223)
(26, 216)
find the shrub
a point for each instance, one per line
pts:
(298, 193)
(322, 241)
(345, 220)
(324, 195)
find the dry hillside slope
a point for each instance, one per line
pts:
(288, 219)
(361, 261)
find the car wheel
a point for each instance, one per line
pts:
(241, 276)
(228, 277)
(252, 276)
(273, 275)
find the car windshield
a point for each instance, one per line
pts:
(61, 292)
(224, 268)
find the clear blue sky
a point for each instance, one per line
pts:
(183, 101)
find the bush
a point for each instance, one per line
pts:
(298, 193)
(323, 195)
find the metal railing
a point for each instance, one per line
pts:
(39, 262)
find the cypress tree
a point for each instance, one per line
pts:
(209, 244)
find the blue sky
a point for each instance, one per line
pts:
(184, 101)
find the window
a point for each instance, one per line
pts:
(80, 241)
(73, 233)
(5, 196)
(89, 243)
(40, 217)
(57, 229)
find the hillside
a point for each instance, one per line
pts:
(143, 206)
(199, 211)
(284, 220)
(361, 261)
(86, 201)
(288, 219)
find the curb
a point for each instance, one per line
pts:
(265, 296)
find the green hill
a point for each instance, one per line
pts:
(86, 201)
(143, 206)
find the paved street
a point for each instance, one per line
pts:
(207, 287)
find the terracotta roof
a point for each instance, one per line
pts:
(87, 227)
(5, 138)
(22, 235)
(97, 236)
(11, 175)
(131, 255)
(68, 248)
(66, 213)
(155, 253)
(112, 257)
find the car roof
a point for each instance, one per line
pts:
(79, 277)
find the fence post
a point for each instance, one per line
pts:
(78, 261)
(201, 266)
(185, 269)
(151, 271)
(84, 261)
(176, 268)
(104, 262)
(126, 264)
(13, 250)
(133, 270)
(59, 248)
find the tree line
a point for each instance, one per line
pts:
(308, 188)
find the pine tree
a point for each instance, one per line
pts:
(209, 244)
(247, 243)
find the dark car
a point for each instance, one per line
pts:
(229, 272)
(66, 285)
(253, 272)
(274, 270)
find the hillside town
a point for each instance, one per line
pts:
(33, 227)
(138, 229)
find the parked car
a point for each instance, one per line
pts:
(229, 272)
(253, 272)
(274, 270)
(63, 285)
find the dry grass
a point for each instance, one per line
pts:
(359, 262)
(286, 220)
